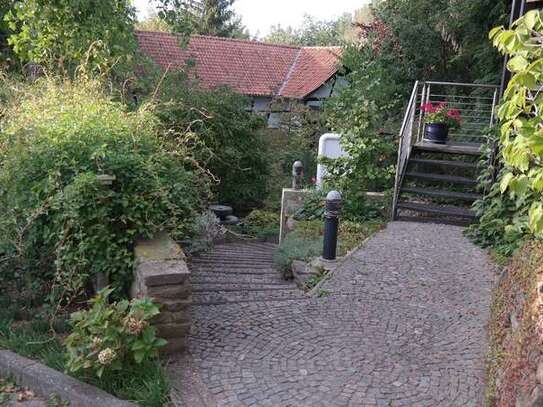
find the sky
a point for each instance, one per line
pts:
(260, 15)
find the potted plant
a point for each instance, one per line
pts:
(439, 119)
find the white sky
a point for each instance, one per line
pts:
(259, 15)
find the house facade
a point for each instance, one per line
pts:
(272, 76)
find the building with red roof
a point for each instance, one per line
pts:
(264, 72)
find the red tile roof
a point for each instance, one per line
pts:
(248, 67)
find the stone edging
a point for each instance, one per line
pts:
(46, 381)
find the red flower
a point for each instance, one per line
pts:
(428, 108)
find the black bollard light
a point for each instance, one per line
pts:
(331, 224)
(297, 175)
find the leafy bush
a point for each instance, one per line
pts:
(521, 116)
(223, 136)
(297, 140)
(365, 114)
(512, 210)
(261, 224)
(62, 225)
(110, 337)
(355, 207)
(25, 329)
(207, 227)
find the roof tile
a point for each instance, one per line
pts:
(248, 67)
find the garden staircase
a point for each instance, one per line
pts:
(438, 182)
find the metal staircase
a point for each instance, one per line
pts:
(437, 182)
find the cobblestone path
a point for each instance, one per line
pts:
(404, 325)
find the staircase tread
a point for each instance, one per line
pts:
(438, 210)
(442, 177)
(443, 194)
(450, 148)
(449, 163)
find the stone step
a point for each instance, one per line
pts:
(246, 247)
(236, 255)
(236, 287)
(203, 277)
(234, 271)
(235, 262)
(229, 297)
(227, 265)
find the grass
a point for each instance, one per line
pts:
(306, 241)
(26, 331)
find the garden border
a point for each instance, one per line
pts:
(46, 381)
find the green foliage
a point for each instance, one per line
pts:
(305, 242)
(223, 137)
(521, 121)
(297, 140)
(62, 224)
(6, 57)
(362, 113)
(261, 224)
(443, 40)
(25, 329)
(111, 337)
(407, 41)
(62, 34)
(312, 32)
(502, 222)
(207, 17)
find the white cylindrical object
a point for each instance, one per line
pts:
(329, 147)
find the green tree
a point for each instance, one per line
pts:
(63, 34)
(313, 32)
(445, 40)
(5, 51)
(153, 23)
(207, 17)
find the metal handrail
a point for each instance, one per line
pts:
(404, 147)
(469, 85)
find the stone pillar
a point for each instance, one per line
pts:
(161, 273)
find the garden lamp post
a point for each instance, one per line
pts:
(331, 224)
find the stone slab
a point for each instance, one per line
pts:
(162, 247)
(166, 272)
(46, 381)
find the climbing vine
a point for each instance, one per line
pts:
(514, 206)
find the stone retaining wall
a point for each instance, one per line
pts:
(161, 272)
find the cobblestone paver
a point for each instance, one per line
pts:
(404, 325)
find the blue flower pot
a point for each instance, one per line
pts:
(436, 133)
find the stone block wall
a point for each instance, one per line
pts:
(161, 273)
